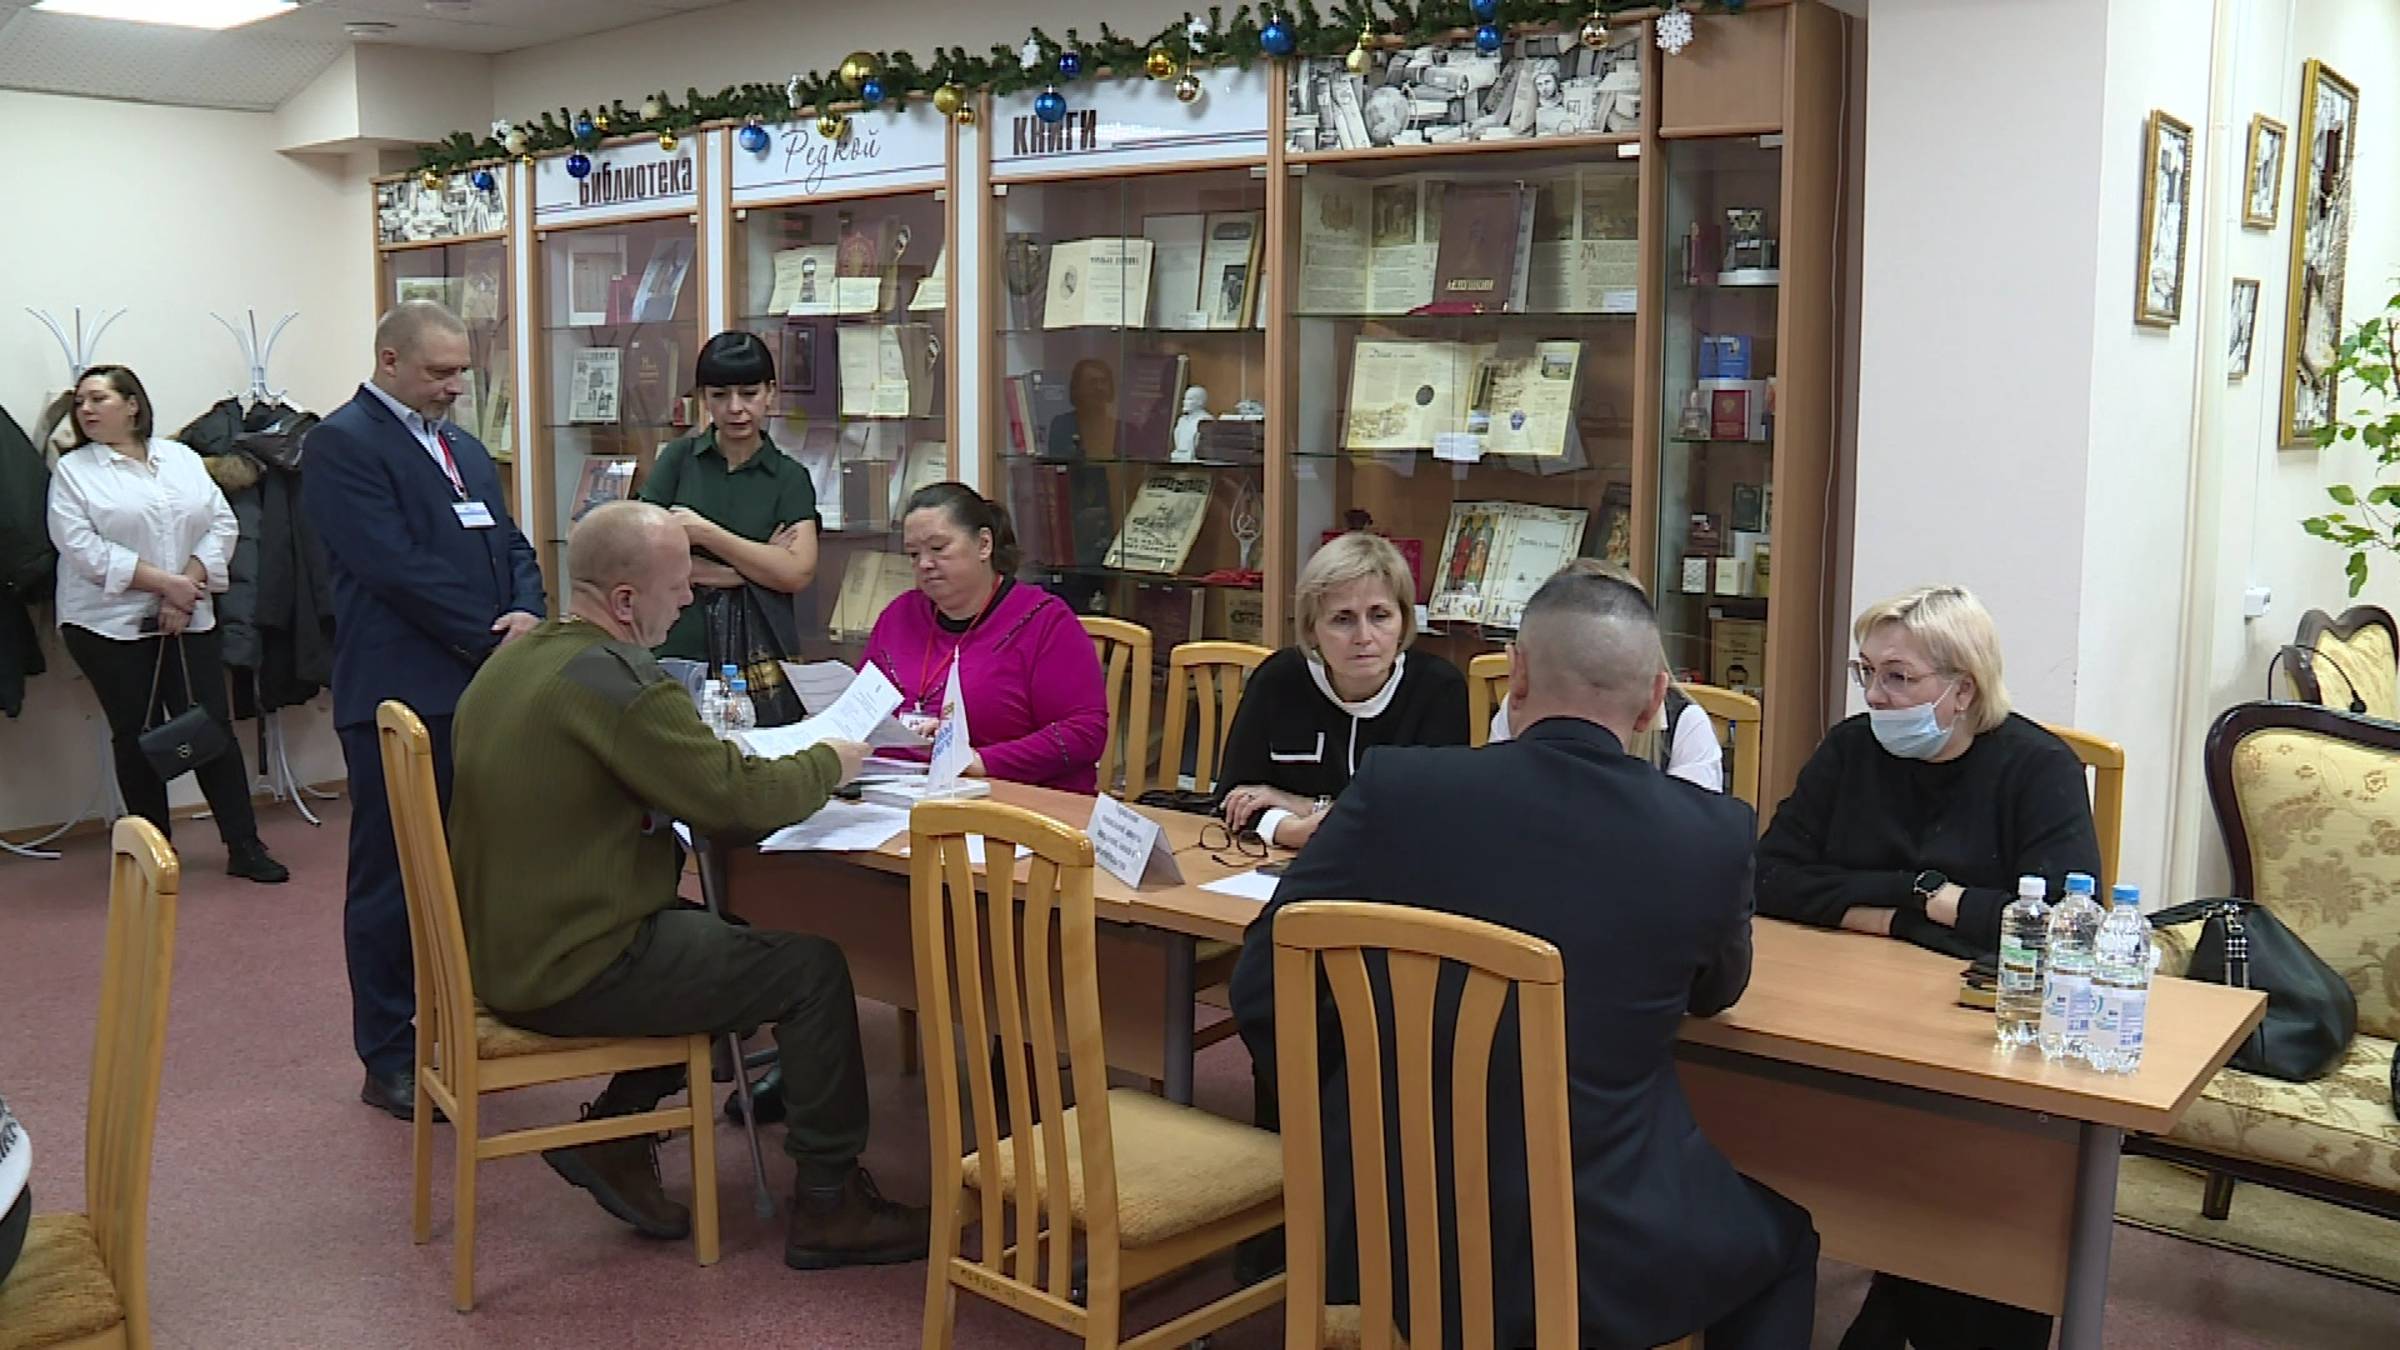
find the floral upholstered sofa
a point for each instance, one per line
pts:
(2308, 799)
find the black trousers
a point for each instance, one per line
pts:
(1901, 1312)
(688, 972)
(383, 977)
(1785, 1312)
(121, 672)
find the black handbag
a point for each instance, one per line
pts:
(2311, 1011)
(190, 738)
(741, 632)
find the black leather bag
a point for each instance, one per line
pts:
(1177, 799)
(2311, 1011)
(741, 632)
(190, 738)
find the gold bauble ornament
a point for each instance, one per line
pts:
(600, 120)
(1159, 64)
(966, 114)
(1594, 33)
(833, 126)
(1363, 55)
(515, 142)
(948, 99)
(1187, 89)
(858, 68)
(666, 141)
(432, 181)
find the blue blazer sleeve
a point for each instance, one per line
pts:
(351, 497)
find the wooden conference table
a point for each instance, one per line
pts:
(1847, 1078)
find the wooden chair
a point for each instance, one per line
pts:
(1211, 675)
(82, 1281)
(1487, 689)
(2348, 662)
(1125, 655)
(1151, 1186)
(2106, 760)
(463, 1051)
(1743, 719)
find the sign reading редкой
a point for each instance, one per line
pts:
(907, 151)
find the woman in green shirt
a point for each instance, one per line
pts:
(749, 510)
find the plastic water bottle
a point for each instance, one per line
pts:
(2024, 942)
(712, 705)
(2067, 987)
(740, 713)
(2123, 956)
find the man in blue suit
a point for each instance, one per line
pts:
(430, 576)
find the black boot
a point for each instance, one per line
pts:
(250, 860)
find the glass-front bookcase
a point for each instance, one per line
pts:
(619, 295)
(840, 260)
(446, 240)
(1465, 240)
(1128, 372)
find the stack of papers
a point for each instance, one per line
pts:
(861, 712)
(841, 827)
(1251, 885)
(825, 686)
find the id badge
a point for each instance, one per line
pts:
(473, 515)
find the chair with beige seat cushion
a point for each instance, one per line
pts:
(1325, 943)
(454, 1072)
(2346, 659)
(82, 1281)
(2308, 799)
(1149, 1186)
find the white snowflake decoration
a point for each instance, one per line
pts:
(1674, 31)
(1197, 30)
(791, 92)
(1030, 55)
(500, 129)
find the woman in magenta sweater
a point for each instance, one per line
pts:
(1037, 705)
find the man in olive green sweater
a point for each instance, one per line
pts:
(575, 755)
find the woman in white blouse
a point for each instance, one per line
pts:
(144, 537)
(1684, 743)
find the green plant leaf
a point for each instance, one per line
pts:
(2357, 569)
(2317, 526)
(2343, 493)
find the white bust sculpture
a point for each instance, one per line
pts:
(1187, 426)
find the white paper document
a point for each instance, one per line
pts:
(1251, 885)
(823, 685)
(841, 827)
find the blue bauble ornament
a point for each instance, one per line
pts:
(1050, 106)
(1070, 65)
(870, 92)
(1485, 10)
(1276, 38)
(1487, 38)
(484, 181)
(584, 128)
(754, 138)
(579, 165)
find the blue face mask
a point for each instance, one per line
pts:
(1912, 733)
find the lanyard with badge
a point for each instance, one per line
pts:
(472, 514)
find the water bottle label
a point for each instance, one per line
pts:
(2020, 968)
(2079, 1008)
(2107, 1010)
(2133, 1009)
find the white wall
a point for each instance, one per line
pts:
(170, 213)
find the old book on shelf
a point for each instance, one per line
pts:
(1173, 614)
(819, 451)
(804, 280)
(496, 412)
(1177, 244)
(1099, 283)
(662, 281)
(1041, 507)
(871, 581)
(1236, 615)
(858, 263)
(1528, 399)
(1737, 654)
(1480, 255)
(887, 370)
(1229, 267)
(1586, 248)
(593, 385)
(655, 379)
(1495, 555)
(483, 300)
(922, 465)
(604, 480)
(933, 290)
(1162, 524)
(594, 262)
(807, 368)
(1366, 248)
(1405, 395)
(1147, 407)
(1024, 280)
(444, 291)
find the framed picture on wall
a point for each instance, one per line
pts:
(2263, 193)
(2166, 220)
(2245, 327)
(2312, 322)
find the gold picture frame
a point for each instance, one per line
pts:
(2166, 221)
(2325, 151)
(2262, 174)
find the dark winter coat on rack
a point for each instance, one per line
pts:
(26, 560)
(278, 614)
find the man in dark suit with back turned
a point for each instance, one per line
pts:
(1643, 884)
(430, 576)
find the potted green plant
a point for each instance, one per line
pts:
(2366, 357)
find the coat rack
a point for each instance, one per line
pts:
(80, 351)
(256, 353)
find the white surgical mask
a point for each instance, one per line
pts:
(1912, 733)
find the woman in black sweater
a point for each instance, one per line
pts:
(1310, 713)
(1914, 821)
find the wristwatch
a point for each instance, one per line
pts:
(1323, 804)
(1927, 885)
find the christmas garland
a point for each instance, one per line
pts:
(952, 75)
